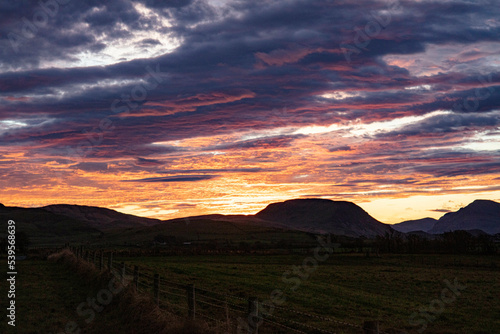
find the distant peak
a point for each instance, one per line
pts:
(483, 203)
(479, 201)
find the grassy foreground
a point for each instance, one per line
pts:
(353, 288)
(48, 294)
(348, 288)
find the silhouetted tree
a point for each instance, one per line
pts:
(457, 242)
(486, 244)
(22, 241)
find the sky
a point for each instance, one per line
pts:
(187, 107)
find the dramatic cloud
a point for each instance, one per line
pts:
(241, 103)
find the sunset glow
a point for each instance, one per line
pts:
(180, 108)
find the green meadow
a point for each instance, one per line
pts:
(337, 295)
(351, 288)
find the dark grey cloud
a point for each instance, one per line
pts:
(457, 169)
(340, 148)
(185, 206)
(55, 31)
(380, 181)
(150, 41)
(441, 210)
(148, 162)
(177, 178)
(217, 170)
(261, 143)
(167, 4)
(91, 166)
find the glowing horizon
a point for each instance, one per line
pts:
(186, 108)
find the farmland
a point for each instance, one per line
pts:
(346, 288)
(353, 288)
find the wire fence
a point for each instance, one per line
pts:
(234, 313)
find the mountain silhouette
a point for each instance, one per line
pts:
(100, 218)
(324, 216)
(479, 215)
(424, 224)
(44, 226)
(306, 215)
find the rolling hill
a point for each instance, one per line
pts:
(100, 218)
(45, 227)
(424, 224)
(57, 224)
(203, 229)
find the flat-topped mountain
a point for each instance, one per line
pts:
(479, 215)
(424, 224)
(324, 216)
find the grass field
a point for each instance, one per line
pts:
(353, 288)
(345, 288)
(47, 297)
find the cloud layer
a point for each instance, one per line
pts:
(226, 106)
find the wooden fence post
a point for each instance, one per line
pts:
(136, 277)
(370, 327)
(110, 261)
(191, 296)
(253, 315)
(101, 260)
(122, 272)
(95, 258)
(226, 308)
(156, 288)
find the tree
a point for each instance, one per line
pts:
(22, 241)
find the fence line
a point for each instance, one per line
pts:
(222, 308)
